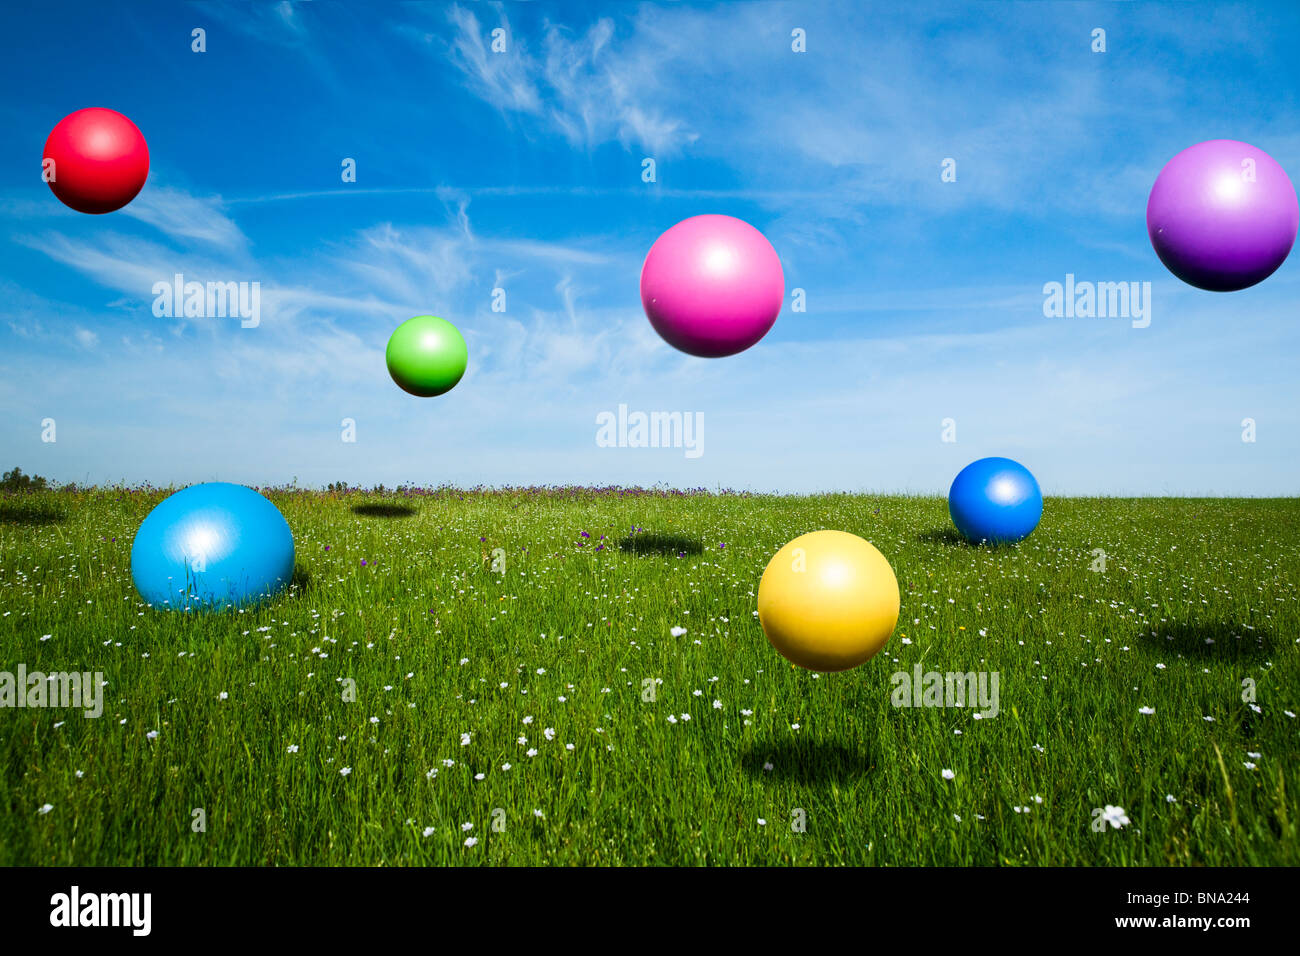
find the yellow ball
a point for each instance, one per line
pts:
(828, 601)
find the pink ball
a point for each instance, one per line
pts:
(712, 286)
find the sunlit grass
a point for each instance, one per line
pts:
(545, 666)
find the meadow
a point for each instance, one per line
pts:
(577, 676)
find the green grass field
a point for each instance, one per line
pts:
(543, 667)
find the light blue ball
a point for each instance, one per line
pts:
(995, 500)
(212, 545)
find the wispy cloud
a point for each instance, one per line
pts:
(184, 216)
(581, 84)
(506, 79)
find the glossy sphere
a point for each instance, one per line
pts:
(712, 286)
(427, 356)
(828, 601)
(100, 160)
(212, 545)
(1222, 215)
(995, 500)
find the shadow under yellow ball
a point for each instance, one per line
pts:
(828, 601)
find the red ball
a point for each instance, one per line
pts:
(100, 160)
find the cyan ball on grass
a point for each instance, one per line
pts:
(995, 500)
(212, 545)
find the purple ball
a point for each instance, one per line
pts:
(1219, 222)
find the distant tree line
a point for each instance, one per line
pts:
(15, 480)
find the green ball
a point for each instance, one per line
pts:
(426, 356)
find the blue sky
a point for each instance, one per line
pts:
(522, 170)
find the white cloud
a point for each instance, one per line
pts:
(183, 216)
(503, 79)
(585, 88)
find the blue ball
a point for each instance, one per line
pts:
(212, 545)
(995, 500)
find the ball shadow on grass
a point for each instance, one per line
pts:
(665, 544)
(1207, 640)
(383, 511)
(301, 579)
(805, 760)
(949, 536)
(955, 539)
(35, 511)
